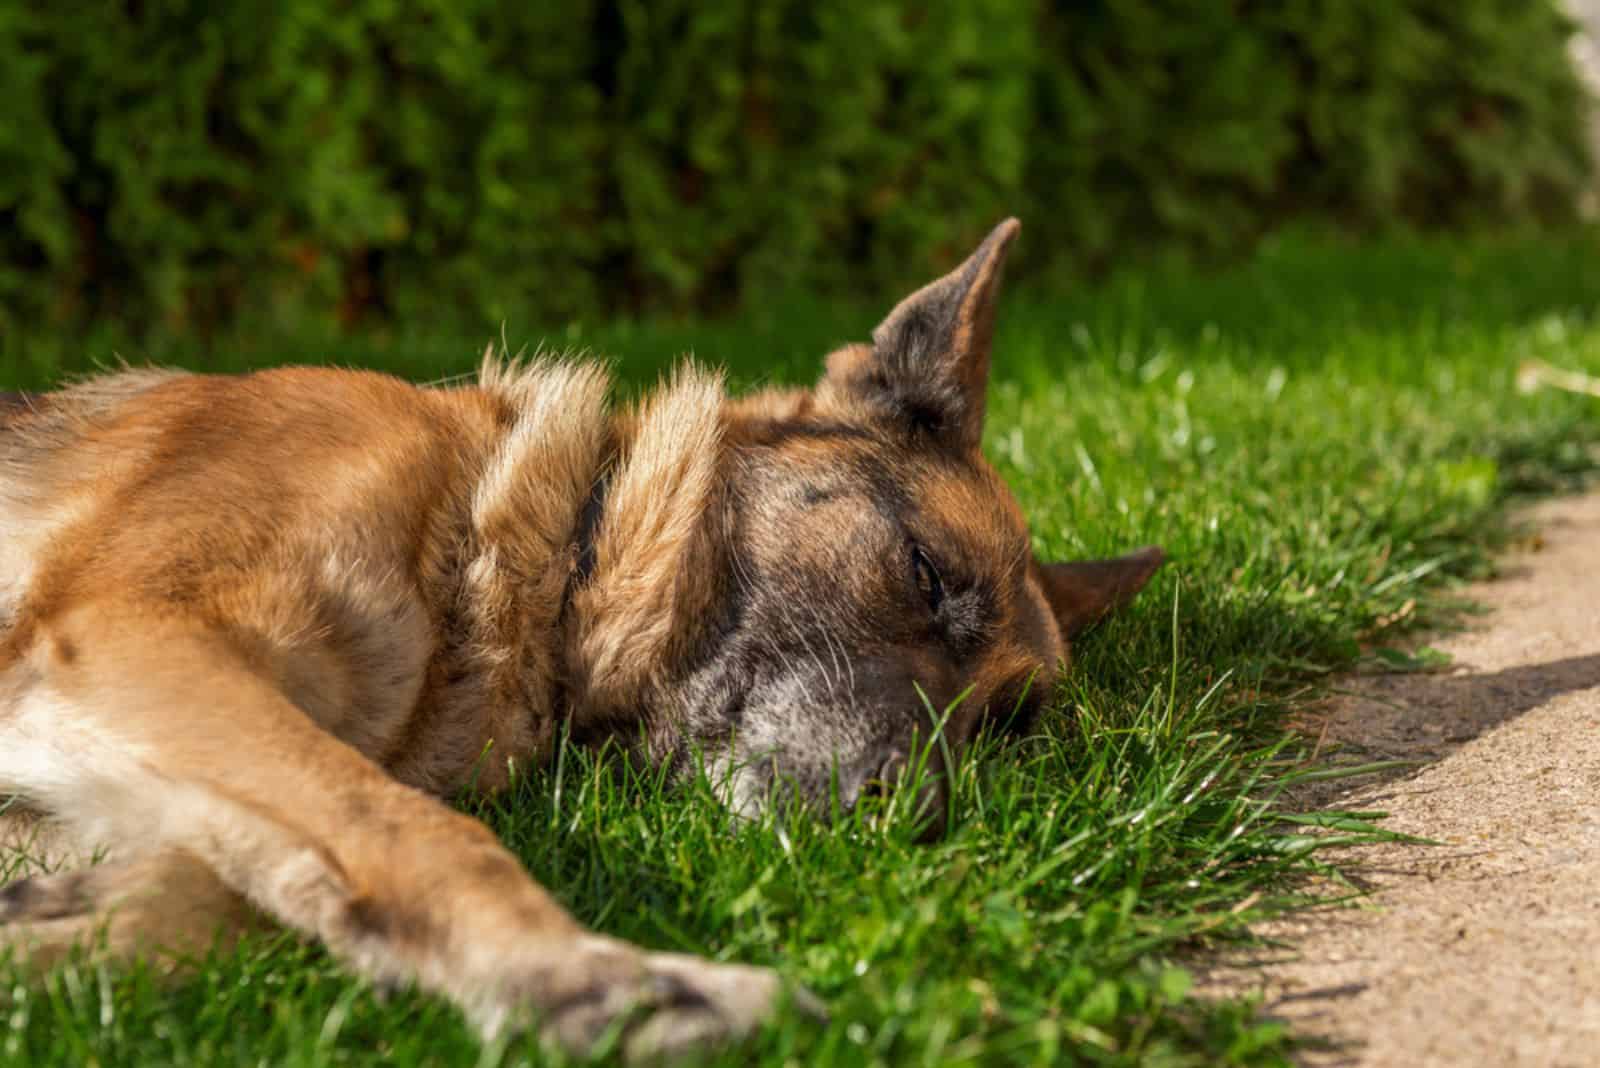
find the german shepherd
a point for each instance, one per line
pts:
(253, 628)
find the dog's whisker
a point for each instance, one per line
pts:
(836, 650)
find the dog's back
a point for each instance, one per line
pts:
(44, 461)
(300, 506)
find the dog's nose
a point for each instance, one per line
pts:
(892, 772)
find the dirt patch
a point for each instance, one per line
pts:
(1484, 949)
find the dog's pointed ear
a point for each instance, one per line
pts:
(1085, 591)
(928, 364)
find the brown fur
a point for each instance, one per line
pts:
(252, 628)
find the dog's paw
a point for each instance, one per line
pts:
(163, 907)
(653, 1005)
(45, 897)
(44, 918)
(711, 1003)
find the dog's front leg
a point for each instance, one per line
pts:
(175, 739)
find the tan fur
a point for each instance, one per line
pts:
(642, 590)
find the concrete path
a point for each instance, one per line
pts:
(1484, 950)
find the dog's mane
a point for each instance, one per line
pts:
(552, 438)
(644, 592)
(660, 463)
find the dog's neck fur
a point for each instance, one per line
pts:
(611, 634)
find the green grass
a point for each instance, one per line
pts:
(1325, 440)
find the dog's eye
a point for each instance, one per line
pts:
(927, 577)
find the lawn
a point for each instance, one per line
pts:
(1326, 439)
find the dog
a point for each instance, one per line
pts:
(253, 629)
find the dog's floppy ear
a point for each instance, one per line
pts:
(928, 364)
(1084, 591)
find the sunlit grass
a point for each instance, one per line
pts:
(1325, 441)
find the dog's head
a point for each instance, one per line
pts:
(878, 570)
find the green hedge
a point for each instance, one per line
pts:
(184, 164)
